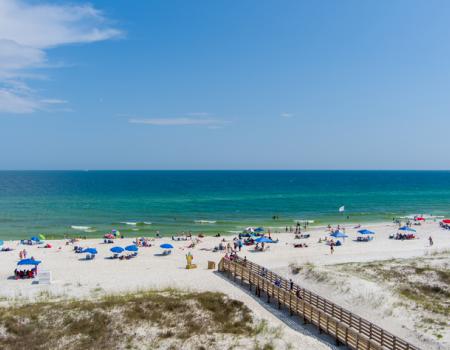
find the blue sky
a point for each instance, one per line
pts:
(224, 84)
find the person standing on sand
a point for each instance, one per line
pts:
(431, 241)
(332, 248)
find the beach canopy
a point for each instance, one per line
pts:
(132, 248)
(166, 246)
(90, 251)
(406, 228)
(339, 234)
(366, 232)
(263, 240)
(29, 262)
(117, 249)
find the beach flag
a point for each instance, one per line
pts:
(342, 209)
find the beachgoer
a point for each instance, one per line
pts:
(291, 284)
(431, 241)
(332, 248)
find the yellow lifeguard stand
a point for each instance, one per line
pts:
(190, 265)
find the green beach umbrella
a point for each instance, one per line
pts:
(41, 237)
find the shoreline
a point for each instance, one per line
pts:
(74, 277)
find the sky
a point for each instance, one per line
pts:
(202, 84)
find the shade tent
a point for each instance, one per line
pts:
(338, 234)
(263, 240)
(366, 232)
(132, 248)
(117, 250)
(89, 251)
(29, 262)
(406, 228)
(166, 246)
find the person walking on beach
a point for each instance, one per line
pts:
(431, 241)
(332, 248)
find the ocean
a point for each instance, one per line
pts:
(91, 203)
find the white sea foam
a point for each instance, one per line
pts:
(80, 228)
(205, 221)
(304, 221)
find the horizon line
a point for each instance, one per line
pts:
(218, 169)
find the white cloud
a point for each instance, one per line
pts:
(286, 115)
(53, 101)
(27, 31)
(178, 121)
(199, 114)
(11, 102)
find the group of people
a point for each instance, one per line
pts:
(28, 273)
(403, 236)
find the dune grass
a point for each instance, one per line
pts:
(144, 320)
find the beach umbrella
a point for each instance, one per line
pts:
(166, 246)
(259, 229)
(1, 242)
(117, 249)
(29, 262)
(41, 237)
(263, 240)
(34, 238)
(446, 221)
(338, 234)
(132, 248)
(366, 232)
(249, 229)
(90, 251)
(419, 219)
(406, 228)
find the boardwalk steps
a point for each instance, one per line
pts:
(345, 327)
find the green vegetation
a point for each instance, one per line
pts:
(146, 320)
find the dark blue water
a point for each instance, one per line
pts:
(52, 201)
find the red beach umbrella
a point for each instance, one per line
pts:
(446, 221)
(420, 219)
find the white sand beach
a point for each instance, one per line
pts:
(75, 277)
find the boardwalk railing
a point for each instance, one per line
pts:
(347, 328)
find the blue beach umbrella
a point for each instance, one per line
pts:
(34, 238)
(166, 246)
(366, 232)
(132, 248)
(1, 242)
(406, 228)
(89, 251)
(117, 249)
(259, 229)
(29, 262)
(263, 240)
(338, 234)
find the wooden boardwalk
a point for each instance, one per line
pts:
(347, 328)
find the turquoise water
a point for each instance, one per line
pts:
(51, 202)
